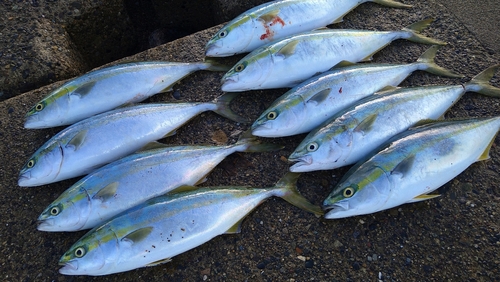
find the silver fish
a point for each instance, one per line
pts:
(355, 132)
(93, 142)
(163, 227)
(108, 88)
(274, 20)
(418, 162)
(296, 58)
(309, 104)
(134, 179)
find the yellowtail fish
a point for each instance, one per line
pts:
(163, 227)
(108, 88)
(309, 104)
(93, 142)
(134, 179)
(358, 130)
(275, 20)
(416, 163)
(296, 58)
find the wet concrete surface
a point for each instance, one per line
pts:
(454, 237)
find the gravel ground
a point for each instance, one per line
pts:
(454, 237)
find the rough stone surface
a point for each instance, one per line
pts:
(454, 237)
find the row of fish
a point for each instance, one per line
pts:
(125, 201)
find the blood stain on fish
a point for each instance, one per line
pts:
(269, 33)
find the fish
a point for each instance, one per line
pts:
(355, 132)
(93, 142)
(129, 181)
(309, 104)
(274, 20)
(295, 58)
(414, 164)
(105, 89)
(163, 227)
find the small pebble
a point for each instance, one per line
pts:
(309, 263)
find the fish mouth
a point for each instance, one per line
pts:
(228, 84)
(24, 180)
(261, 129)
(300, 163)
(44, 225)
(336, 210)
(213, 50)
(68, 268)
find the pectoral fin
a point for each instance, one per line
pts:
(288, 50)
(84, 89)
(77, 140)
(320, 96)
(107, 192)
(404, 166)
(269, 16)
(366, 125)
(236, 228)
(422, 198)
(138, 235)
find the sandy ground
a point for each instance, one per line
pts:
(454, 237)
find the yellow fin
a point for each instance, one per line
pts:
(269, 16)
(183, 188)
(236, 228)
(288, 50)
(107, 192)
(424, 122)
(486, 154)
(423, 197)
(162, 261)
(77, 140)
(153, 145)
(138, 235)
(388, 88)
(171, 133)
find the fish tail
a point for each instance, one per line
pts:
(414, 35)
(391, 3)
(429, 65)
(287, 187)
(251, 144)
(213, 65)
(224, 109)
(480, 83)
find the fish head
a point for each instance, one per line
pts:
(69, 212)
(43, 167)
(322, 149)
(232, 39)
(364, 191)
(94, 254)
(283, 118)
(249, 73)
(50, 111)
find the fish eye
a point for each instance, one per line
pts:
(348, 192)
(272, 115)
(31, 164)
(312, 147)
(79, 252)
(39, 107)
(239, 67)
(223, 34)
(54, 211)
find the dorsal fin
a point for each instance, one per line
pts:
(138, 235)
(107, 192)
(77, 140)
(320, 96)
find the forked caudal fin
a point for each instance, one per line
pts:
(288, 192)
(224, 109)
(480, 83)
(428, 64)
(413, 33)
